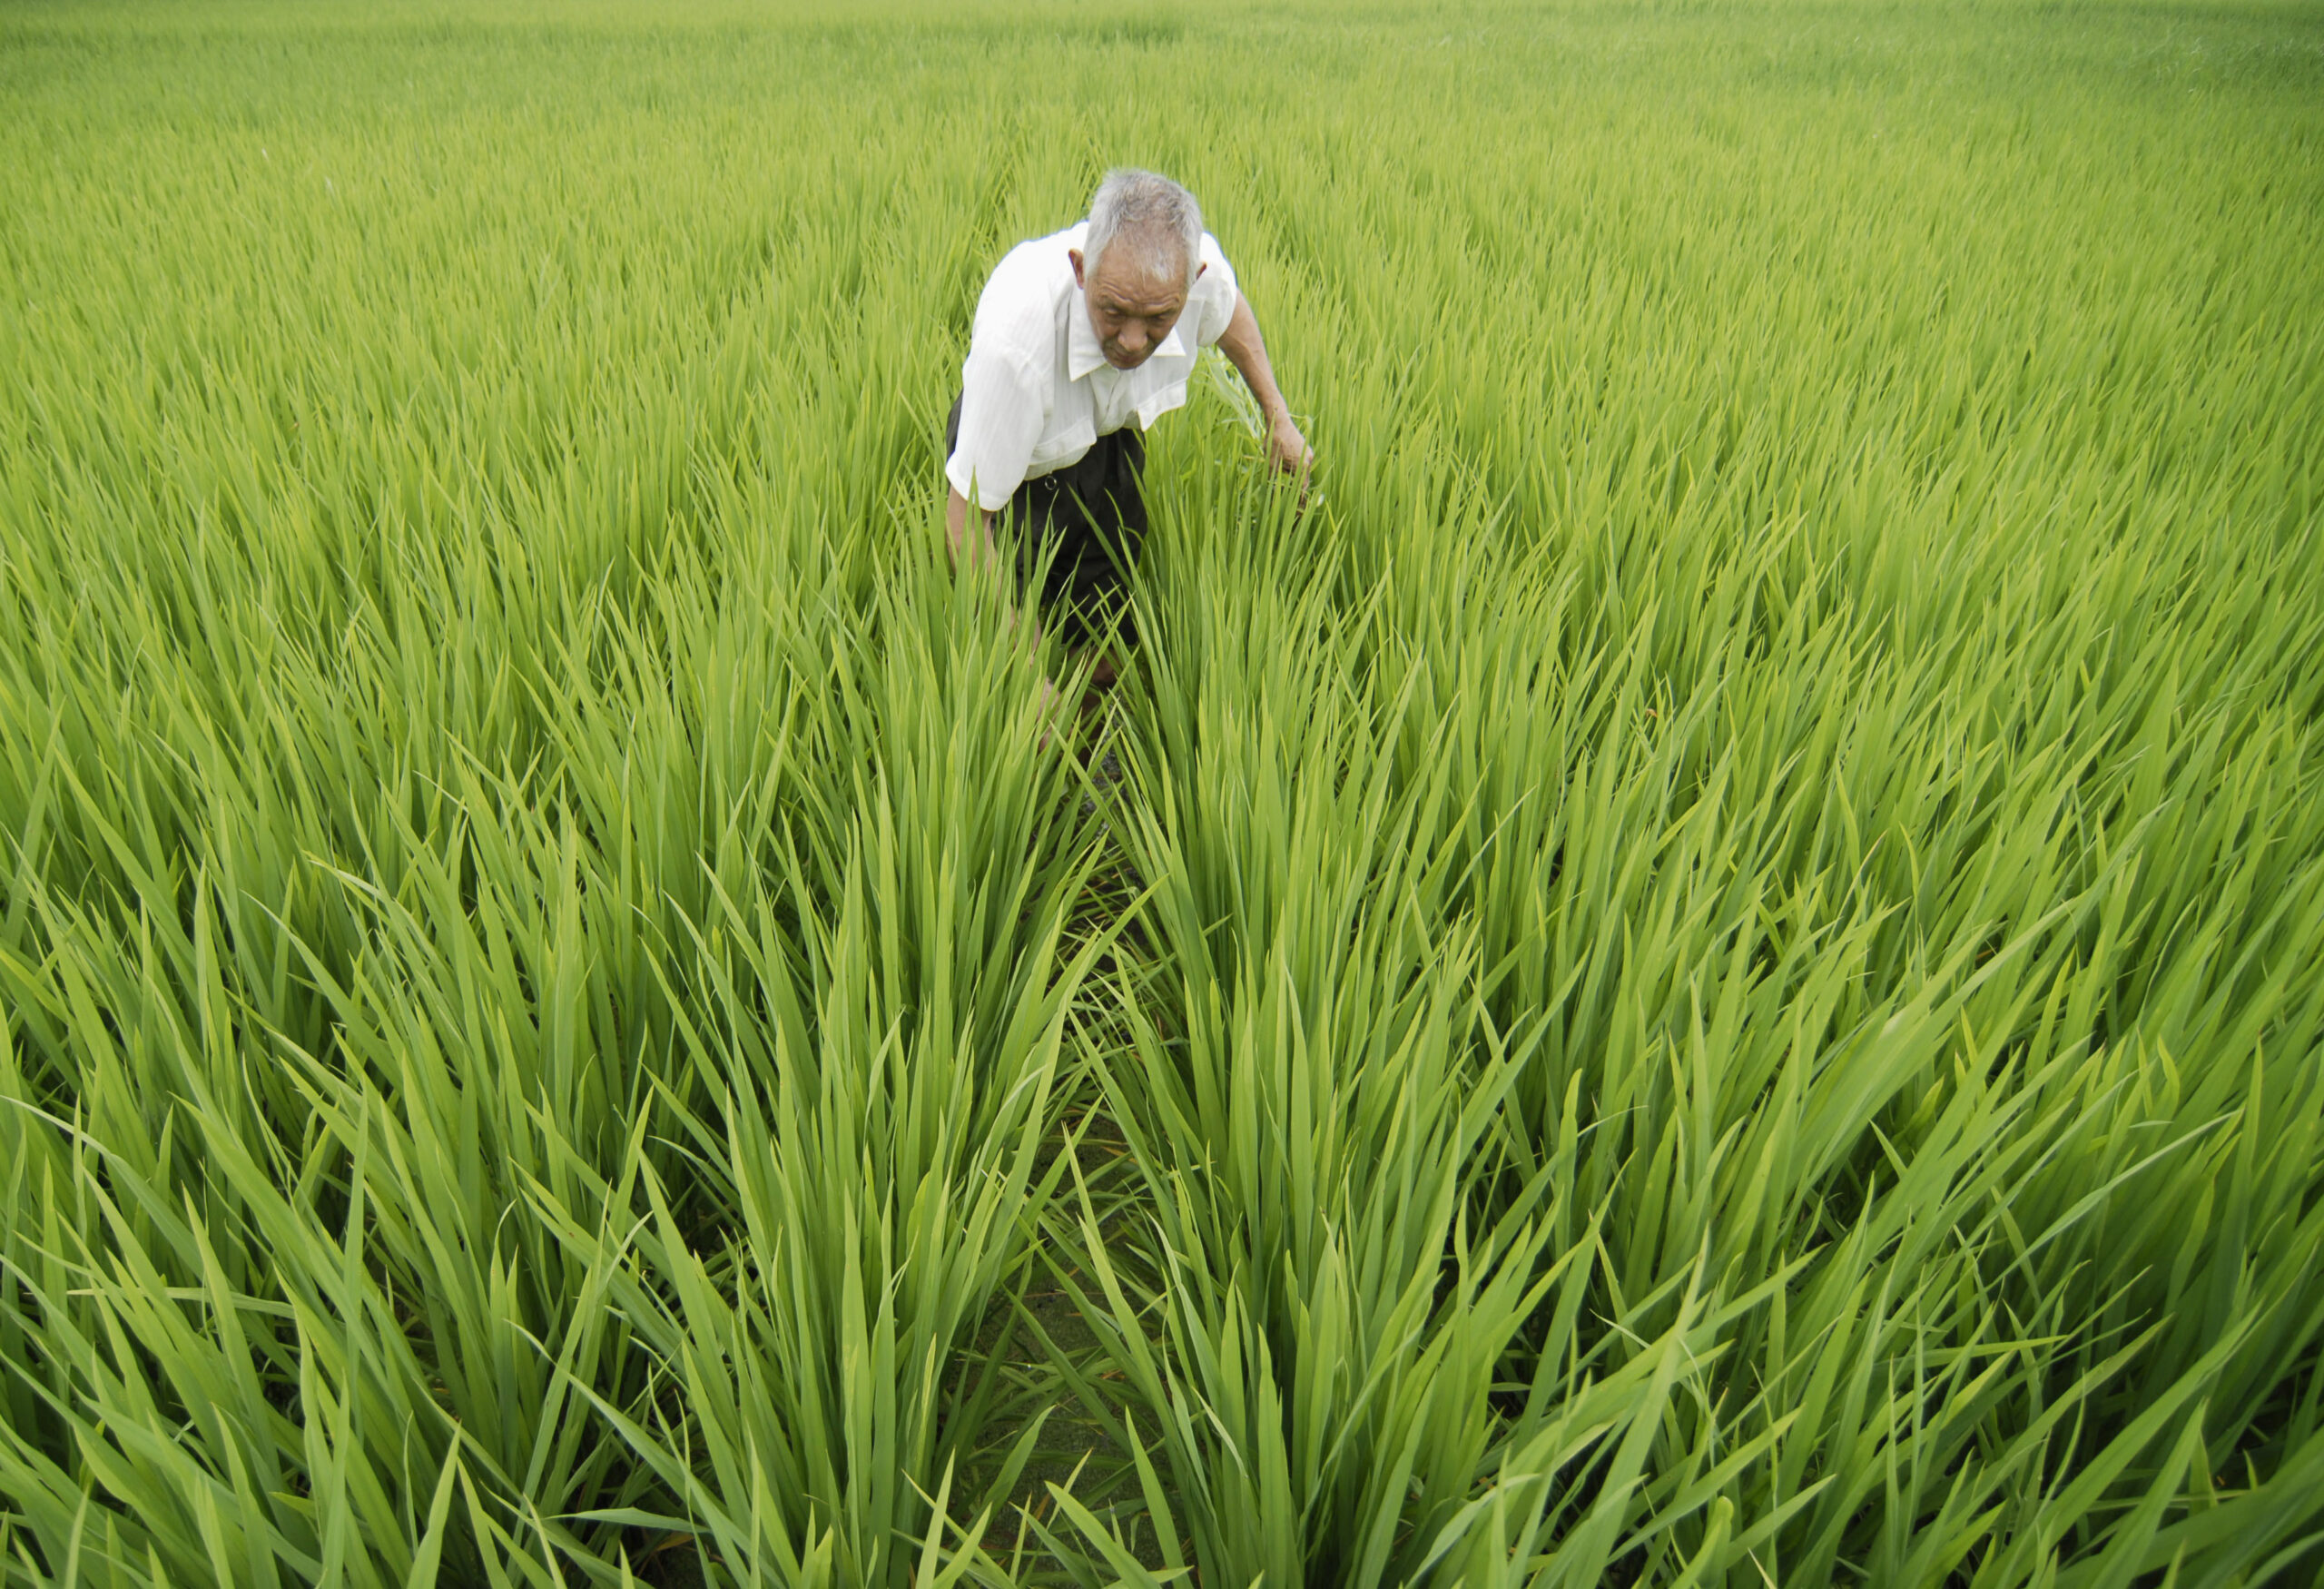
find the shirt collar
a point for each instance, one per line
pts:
(1082, 353)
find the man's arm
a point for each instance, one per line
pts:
(980, 550)
(1000, 419)
(1247, 353)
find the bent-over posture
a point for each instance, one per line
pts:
(1082, 339)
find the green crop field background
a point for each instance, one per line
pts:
(1709, 973)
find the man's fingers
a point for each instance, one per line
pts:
(1293, 456)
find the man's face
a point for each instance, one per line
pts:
(1134, 298)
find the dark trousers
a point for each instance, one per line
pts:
(1088, 520)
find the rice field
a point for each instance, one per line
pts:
(1709, 973)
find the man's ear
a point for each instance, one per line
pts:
(1075, 255)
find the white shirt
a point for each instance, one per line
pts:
(1036, 390)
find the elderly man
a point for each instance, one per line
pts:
(1082, 339)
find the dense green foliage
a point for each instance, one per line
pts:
(1730, 982)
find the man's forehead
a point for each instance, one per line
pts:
(1140, 286)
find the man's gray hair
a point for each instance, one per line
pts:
(1151, 212)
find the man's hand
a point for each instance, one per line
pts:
(971, 546)
(1286, 446)
(1244, 349)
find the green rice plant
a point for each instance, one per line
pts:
(1818, 1199)
(1722, 975)
(455, 1272)
(376, 919)
(875, 1103)
(1304, 1134)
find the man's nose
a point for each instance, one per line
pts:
(1133, 338)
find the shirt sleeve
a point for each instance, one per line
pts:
(1001, 412)
(1214, 295)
